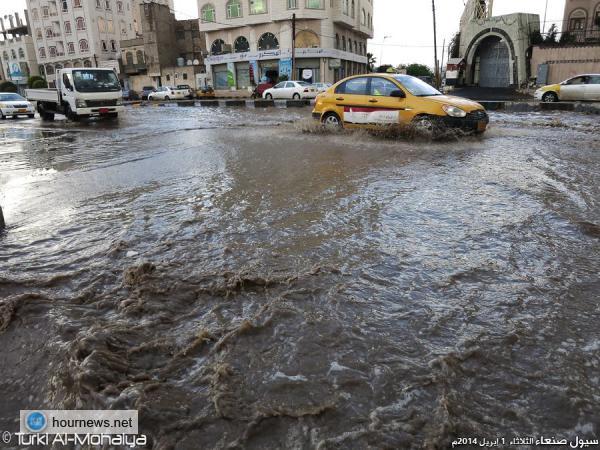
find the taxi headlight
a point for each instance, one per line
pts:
(80, 104)
(453, 111)
(119, 101)
(5, 106)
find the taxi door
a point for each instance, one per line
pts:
(573, 89)
(352, 100)
(389, 103)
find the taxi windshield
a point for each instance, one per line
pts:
(417, 87)
(10, 98)
(96, 81)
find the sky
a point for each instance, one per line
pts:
(406, 25)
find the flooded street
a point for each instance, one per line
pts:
(244, 283)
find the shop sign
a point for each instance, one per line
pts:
(285, 67)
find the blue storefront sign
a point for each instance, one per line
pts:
(285, 67)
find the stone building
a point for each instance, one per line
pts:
(250, 40)
(582, 19)
(79, 33)
(17, 52)
(137, 18)
(494, 48)
(168, 52)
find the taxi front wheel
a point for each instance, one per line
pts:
(331, 120)
(550, 97)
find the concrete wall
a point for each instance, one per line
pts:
(515, 29)
(566, 62)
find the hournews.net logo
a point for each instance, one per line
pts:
(36, 421)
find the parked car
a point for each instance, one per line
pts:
(261, 88)
(13, 105)
(147, 90)
(129, 94)
(378, 100)
(291, 90)
(168, 93)
(581, 87)
(322, 87)
(187, 87)
(206, 92)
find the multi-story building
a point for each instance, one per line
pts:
(582, 20)
(168, 52)
(79, 33)
(17, 51)
(137, 17)
(250, 40)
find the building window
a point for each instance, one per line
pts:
(13, 54)
(113, 45)
(41, 52)
(110, 27)
(104, 46)
(38, 34)
(234, 9)
(344, 43)
(68, 27)
(21, 53)
(65, 6)
(315, 4)
(140, 57)
(80, 21)
(107, 4)
(52, 51)
(49, 32)
(50, 69)
(101, 25)
(83, 46)
(76, 3)
(241, 45)
(577, 20)
(34, 14)
(268, 41)
(185, 75)
(363, 17)
(337, 41)
(99, 4)
(70, 48)
(292, 4)
(168, 77)
(353, 9)
(217, 47)
(45, 11)
(258, 6)
(208, 13)
(120, 6)
(180, 35)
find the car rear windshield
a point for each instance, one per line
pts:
(11, 98)
(90, 80)
(416, 87)
(147, 88)
(303, 83)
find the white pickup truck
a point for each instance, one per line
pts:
(80, 93)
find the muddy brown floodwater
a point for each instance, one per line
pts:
(245, 284)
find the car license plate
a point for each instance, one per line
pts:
(23, 111)
(481, 125)
(103, 110)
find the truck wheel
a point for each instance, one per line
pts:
(112, 116)
(31, 116)
(167, 98)
(71, 115)
(2, 116)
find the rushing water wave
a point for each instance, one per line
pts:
(245, 283)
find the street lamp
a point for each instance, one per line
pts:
(381, 51)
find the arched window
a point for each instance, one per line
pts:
(34, 14)
(48, 32)
(76, 3)
(87, 63)
(241, 45)
(80, 21)
(140, 57)
(577, 20)
(363, 17)
(83, 45)
(70, 48)
(268, 41)
(68, 27)
(596, 16)
(120, 6)
(42, 71)
(103, 45)
(113, 45)
(234, 9)
(337, 41)
(207, 13)
(353, 9)
(45, 11)
(41, 52)
(217, 47)
(345, 6)
(21, 53)
(129, 58)
(38, 34)
(52, 52)
(50, 69)
(13, 54)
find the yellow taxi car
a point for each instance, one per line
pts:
(579, 88)
(377, 100)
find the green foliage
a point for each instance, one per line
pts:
(567, 38)
(31, 80)
(7, 86)
(454, 47)
(371, 61)
(283, 77)
(536, 37)
(551, 35)
(419, 70)
(39, 84)
(385, 68)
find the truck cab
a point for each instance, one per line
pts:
(80, 93)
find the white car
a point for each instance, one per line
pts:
(581, 87)
(294, 90)
(168, 93)
(13, 105)
(322, 87)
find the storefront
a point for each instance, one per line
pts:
(308, 69)
(269, 69)
(242, 75)
(220, 76)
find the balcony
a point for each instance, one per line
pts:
(134, 69)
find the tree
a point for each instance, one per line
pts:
(551, 35)
(419, 70)
(567, 38)
(371, 62)
(283, 77)
(454, 47)
(31, 80)
(39, 84)
(7, 86)
(384, 69)
(536, 37)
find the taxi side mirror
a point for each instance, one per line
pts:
(398, 94)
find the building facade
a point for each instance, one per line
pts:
(494, 48)
(582, 20)
(137, 17)
(168, 52)
(251, 40)
(79, 33)
(17, 52)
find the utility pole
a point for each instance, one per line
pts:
(293, 46)
(442, 64)
(437, 75)
(545, 14)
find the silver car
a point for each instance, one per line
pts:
(13, 105)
